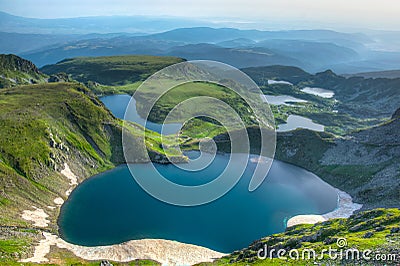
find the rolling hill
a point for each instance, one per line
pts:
(238, 57)
(214, 35)
(318, 54)
(318, 49)
(115, 70)
(250, 55)
(88, 25)
(315, 50)
(389, 74)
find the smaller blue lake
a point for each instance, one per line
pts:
(118, 103)
(319, 92)
(295, 121)
(281, 99)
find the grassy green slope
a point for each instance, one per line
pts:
(377, 230)
(42, 127)
(189, 90)
(112, 74)
(287, 73)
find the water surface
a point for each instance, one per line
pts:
(319, 92)
(295, 121)
(272, 82)
(281, 99)
(118, 103)
(111, 207)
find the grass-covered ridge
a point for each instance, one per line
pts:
(42, 127)
(190, 90)
(37, 118)
(106, 71)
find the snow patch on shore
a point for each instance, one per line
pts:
(58, 201)
(73, 179)
(346, 207)
(166, 252)
(37, 216)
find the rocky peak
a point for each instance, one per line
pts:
(16, 63)
(327, 73)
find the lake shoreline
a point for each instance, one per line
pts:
(346, 207)
(164, 251)
(144, 248)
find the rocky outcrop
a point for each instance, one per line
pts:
(163, 159)
(16, 63)
(365, 164)
(15, 70)
(373, 155)
(60, 77)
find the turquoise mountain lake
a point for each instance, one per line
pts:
(111, 207)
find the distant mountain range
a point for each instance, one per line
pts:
(47, 41)
(213, 35)
(390, 74)
(95, 24)
(26, 42)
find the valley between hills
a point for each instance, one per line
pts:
(55, 133)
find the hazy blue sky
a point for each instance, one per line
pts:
(378, 14)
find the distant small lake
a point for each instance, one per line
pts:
(319, 92)
(117, 104)
(296, 121)
(272, 82)
(281, 99)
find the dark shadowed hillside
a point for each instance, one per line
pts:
(287, 73)
(365, 163)
(390, 74)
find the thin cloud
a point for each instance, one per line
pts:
(354, 13)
